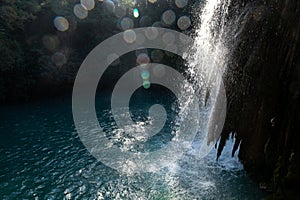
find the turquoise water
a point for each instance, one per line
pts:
(42, 157)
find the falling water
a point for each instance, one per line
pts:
(209, 51)
(206, 65)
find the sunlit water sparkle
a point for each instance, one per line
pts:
(42, 156)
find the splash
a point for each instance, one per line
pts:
(206, 65)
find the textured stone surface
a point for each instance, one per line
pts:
(263, 84)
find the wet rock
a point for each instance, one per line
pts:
(263, 89)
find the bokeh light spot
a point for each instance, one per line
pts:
(50, 42)
(126, 23)
(140, 51)
(61, 23)
(168, 17)
(140, 39)
(146, 84)
(181, 3)
(88, 4)
(184, 23)
(152, 1)
(129, 36)
(80, 11)
(136, 13)
(142, 58)
(145, 75)
(151, 33)
(59, 59)
(109, 6)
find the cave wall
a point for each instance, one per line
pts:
(263, 88)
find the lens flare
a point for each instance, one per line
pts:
(109, 6)
(51, 42)
(129, 36)
(142, 58)
(88, 4)
(181, 3)
(126, 23)
(146, 84)
(145, 75)
(168, 17)
(184, 23)
(80, 11)
(59, 59)
(136, 13)
(61, 23)
(151, 33)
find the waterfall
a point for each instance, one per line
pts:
(206, 65)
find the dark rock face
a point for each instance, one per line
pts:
(263, 84)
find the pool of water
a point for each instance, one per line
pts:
(42, 157)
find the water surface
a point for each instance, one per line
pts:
(42, 157)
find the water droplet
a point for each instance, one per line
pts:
(61, 23)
